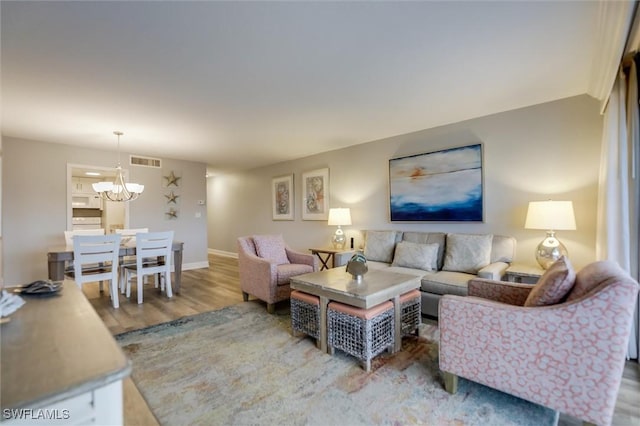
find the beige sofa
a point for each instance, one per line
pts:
(445, 262)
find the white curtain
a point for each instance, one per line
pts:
(617, 225)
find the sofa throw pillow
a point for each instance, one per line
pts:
(414, 255)
(271, 248)
(553, 285)
(379, 246)
(467, 252)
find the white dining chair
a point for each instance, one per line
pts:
(103, 250)
(153, 256)
(69, 270)
(131, 232)
(128, 237)
(68, 235)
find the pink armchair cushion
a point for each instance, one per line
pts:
(286, 271)
(272, 248)
(500, 291)
(591, 276)
(554, 285)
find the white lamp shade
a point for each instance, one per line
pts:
(550, 215)
(134, 187)
(102, 186)
(339, 217)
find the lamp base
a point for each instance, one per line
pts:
(550, 250)
(339, 240)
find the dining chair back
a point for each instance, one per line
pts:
(69, 269)
(131, 232)
(100, 250)
(128, 237)
(153, 256)
(68, 235)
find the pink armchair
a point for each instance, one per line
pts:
(567, 356)
(266, 264)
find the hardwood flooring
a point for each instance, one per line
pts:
(218, 286)
(202, 290)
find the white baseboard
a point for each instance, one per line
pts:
(194, 265)
(223, 253)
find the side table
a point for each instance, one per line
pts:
(518, 273)
(327, 255)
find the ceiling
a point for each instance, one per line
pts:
(238, 85)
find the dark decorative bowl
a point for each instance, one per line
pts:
(357, 266)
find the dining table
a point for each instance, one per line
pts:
(58, 256)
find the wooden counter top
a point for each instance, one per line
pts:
(55, 348)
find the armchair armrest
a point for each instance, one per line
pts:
(302, 258)
(493, 271)
(500, 291)
(258, 275)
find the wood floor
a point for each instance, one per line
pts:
(218, 286)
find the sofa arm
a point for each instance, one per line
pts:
(499, 291)
(493, 271)
(302, 258)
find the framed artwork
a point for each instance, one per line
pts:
(282, 197)
(443, 186)
(315, 195)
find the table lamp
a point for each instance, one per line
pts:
(339, 217)
(551, 216)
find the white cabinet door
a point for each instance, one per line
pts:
(82, 185)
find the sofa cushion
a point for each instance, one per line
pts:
(429, 238)
(379, 246)
(446, 282)
(408, 271)
(286, 271)
(467, 252)
(413, 255)
(271, 248)
(503, 249)
(591, 276)
(553, 285)
(373, 264)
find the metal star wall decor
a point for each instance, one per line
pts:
(172, 198)
(172, 214)
(172, 179)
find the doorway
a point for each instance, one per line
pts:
(84, 206)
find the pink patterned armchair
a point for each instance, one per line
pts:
(568, 356)
(266, 264)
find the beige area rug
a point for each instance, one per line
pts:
(241, 366)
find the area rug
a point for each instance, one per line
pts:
(241, 366)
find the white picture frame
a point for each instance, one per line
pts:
(315, 194)
(282, 198)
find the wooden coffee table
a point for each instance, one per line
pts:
(377, 286)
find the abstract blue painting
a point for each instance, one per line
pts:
(437, 186)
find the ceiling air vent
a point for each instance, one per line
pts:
(135, 160)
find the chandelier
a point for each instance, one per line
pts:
(118, 190)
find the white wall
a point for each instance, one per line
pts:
(546, 151)
(34, 203)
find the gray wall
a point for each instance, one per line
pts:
(546, 151)
(34, 203)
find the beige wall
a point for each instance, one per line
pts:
(546, 151)
(34, 203)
